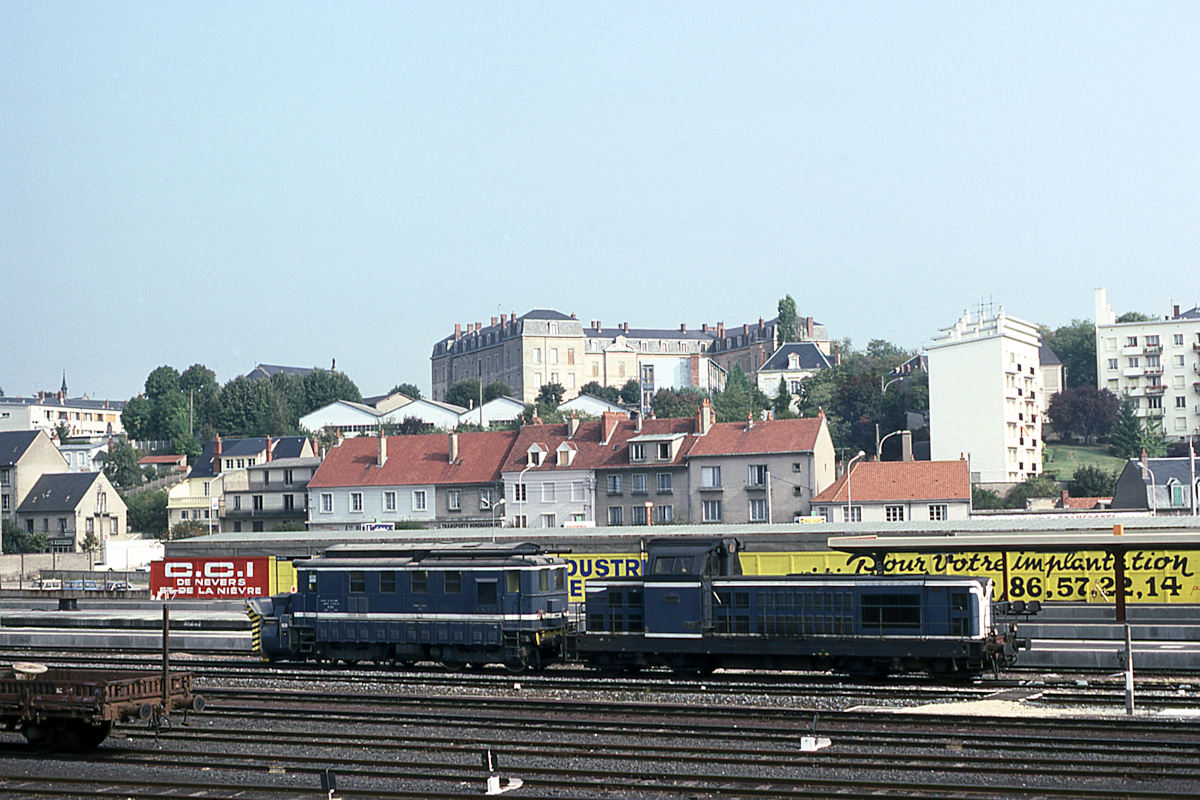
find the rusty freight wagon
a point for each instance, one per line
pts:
(70, 709)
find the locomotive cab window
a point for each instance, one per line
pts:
(453, 581)
(543, 580)
(560, 579)
(674, 565)
(485, 593)
(420, 581)
(311, 581)
(513, 581)
(358, 581)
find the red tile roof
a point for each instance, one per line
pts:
(766, 436)
(416, 460)
(1085, 502)
(881, 481)
(591, 451)
(179, 459)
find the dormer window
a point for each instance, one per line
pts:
(793, 361)
(566, 454)
(535, 454)
(637, 452)
(664, 451)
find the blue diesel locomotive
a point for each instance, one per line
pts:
(460, 605)
(693, 612)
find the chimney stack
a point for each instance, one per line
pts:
(1175, 312)
(906, 446)
(704, 327)
(704, 416)
(382, 459)
(457, 331)
(609, 422)
(270, 447)
(217, 455)
(625, 327)
(638, 419)
(749, 420)
(453, 447)
(572, 426)
(683, 327)
(493, 322)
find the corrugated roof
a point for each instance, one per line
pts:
(881, 481)
(422, 460)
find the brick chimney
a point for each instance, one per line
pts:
(457, 331)
(493, 322)
(683, 327)
(749, 420)
(1175, 312)
(720, 330)
(270, 448)
(453, 447)
(625, 327)
(609, 422)
(704, 417)
(217, 455)
(704, 327)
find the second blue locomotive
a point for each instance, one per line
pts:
(692, 612)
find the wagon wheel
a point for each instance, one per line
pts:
(42, 735)
(82, 736)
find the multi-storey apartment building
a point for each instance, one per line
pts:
(1155, 363)
(45, 411)
(985, 391)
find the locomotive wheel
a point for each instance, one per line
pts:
(452, 666)
(516, 667)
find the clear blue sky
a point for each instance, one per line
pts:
(234, 183)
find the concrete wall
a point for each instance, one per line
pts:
(16, 568)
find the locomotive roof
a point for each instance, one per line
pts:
(416, 555)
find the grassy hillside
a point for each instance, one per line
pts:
(1063, 460)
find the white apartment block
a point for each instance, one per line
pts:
(1156, 363)
(985, 393)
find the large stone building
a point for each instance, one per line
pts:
(1156, 363)
(546, 346)
(985, 394)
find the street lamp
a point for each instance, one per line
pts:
(879, 442)
(499, 502)
(850, 464)
(883, 386)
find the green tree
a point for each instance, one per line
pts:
(551, 395)
(1075, 346)
(198, 387)
(1154, 440)
(406, 389)
(783, 402)
(188, 530)
(90, 543)
(463, 393)
(121, 465)
(16, 540)
(608, 393)
(631, 392)
(136, 417)
(982, 499)
(733, 403)
(496, 389)
(1125, 435)
(1090, 481)
(295, 524)
(147, 512)
(162, 382)
(668, 403)
(246, 408)
(322, 387)
(785, 325)
(1033, 486)
(62, 432)
(1134, 316)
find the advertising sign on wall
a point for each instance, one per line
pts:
(199, 578)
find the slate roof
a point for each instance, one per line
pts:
(282, 447)
(70, 402)
(13, 445)
(267, 370)
(811, 357)
(59, 491)
(883, 481)
(422, 460)
(1193, 313)
(1162, 470)
(1046, 355)
(766, 436)
(591, 451)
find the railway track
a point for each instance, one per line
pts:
(277, 742)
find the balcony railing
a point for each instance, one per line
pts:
(265, 513)
(1152, 348)
(1156, 389)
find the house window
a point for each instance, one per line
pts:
(1177, 339)
(418, 500)
(288, 477)
(520, 491)
(183, 515)
(576, 491)
(758, 510)
(4, 501)
(389, 501)
(663, 514)
(1131, 341)
(852, 514)
(711, 510)
(549, 521)
(454, 499)
(241, 462)
(4, 477)
(520, 521)
(356, 501)
(535, 457)
(485, 499)
(258, 502)
(637, 452)
(1181, 402)
(893, 513)
(1152, 340)
(229, 463)
(664, 483)
(938, 513)
(90, 525)
(62, 524)
(1133, 361)
(664, 451)
(614, 485)
(266, 477)
(1112, 363)
(237, 502)
(553, 355)
(537, 355)
(710, 477)
(797, 466)
(112, 526)
(637, 483)
(289, 502)
(616, 515)
(639, 515)
(757, 475)
(326, 503)
(1153, 402)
